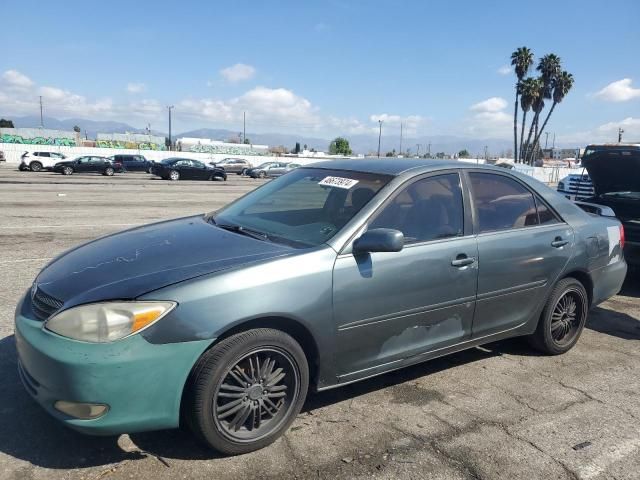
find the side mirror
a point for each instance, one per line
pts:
(379, 240)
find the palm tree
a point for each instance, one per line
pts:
(549, 67)
(537, 105)
(521, 59)
(561, 86)
(529, 90)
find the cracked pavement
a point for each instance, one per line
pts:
(494, 412)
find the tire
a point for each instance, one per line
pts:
(109, 172)
(23, 168)
(262, 174)
(174, 175)
(35, 166)
(67, 171)
(562, 319)
(242, 427)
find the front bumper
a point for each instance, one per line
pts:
(142, 383)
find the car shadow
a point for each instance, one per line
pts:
(30, 434)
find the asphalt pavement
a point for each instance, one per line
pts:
(496, 412)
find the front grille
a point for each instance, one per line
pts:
(44, 305)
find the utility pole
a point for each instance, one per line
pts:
(170, 107)
(418, 149)
(429, 151)
(553, 144)
(379, 136)
(620, 132)
(244, 127)
(400, 137)
(485, 152)
(41, 117)
(546, 139)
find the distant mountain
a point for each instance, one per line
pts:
(359, 143)
(92, 127)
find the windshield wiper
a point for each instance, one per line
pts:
(242, 231)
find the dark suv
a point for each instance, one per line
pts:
(133, 163)
(615, 173)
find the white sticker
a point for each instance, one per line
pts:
(614, 241)
(339, 182)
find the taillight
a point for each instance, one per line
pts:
(621, 236)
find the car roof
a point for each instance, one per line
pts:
(392, 166)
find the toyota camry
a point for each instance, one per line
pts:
(330, 274)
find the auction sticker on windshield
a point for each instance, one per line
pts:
(339, 182)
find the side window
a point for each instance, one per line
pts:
(43, 154)
(195, 163)
(428, 209)
(501, 203)
(545, 214)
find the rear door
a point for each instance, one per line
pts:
(523, 246)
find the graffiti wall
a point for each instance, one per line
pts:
(225, 149)
(38, 136)
(136, 141)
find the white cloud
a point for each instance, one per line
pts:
(619, 91)
(15, 79)
(493, 104)
(489, 118)
(238, 72)
(505, 70)
(134, 87)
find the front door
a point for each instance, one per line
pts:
(522, 248)
(392, 306)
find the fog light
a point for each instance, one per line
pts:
(84, 411)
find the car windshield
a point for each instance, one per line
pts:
(304, 208)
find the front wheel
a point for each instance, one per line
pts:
(262, 174)
(174, 175)
(109, 172)
(246, 390)
(67, 171)
(563, 318)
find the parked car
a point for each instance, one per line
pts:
(186, 169)
(576, 186)
(282, 169)
(262, 170)
(232, 165)
(331, 274)
(2, 157)
(37, 161)
(88, 164)
(615, 173)
(133, 163)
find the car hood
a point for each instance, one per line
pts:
(613, 172)
(128, 264)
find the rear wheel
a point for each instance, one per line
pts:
(174, 175)
(109, 172)
(262, 174)
(563, 318)
(67, 171)
(245, 391)
(35, 166)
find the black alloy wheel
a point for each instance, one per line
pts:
(246, 390)
(563, 318)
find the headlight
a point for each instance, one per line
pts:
(109, 321)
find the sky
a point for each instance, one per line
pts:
(320, 68)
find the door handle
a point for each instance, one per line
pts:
(559, 242)
(462, 261)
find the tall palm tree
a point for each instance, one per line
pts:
(549, 67)
(537, 105)
(529, 90)
(561, 86)
(521, 60)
